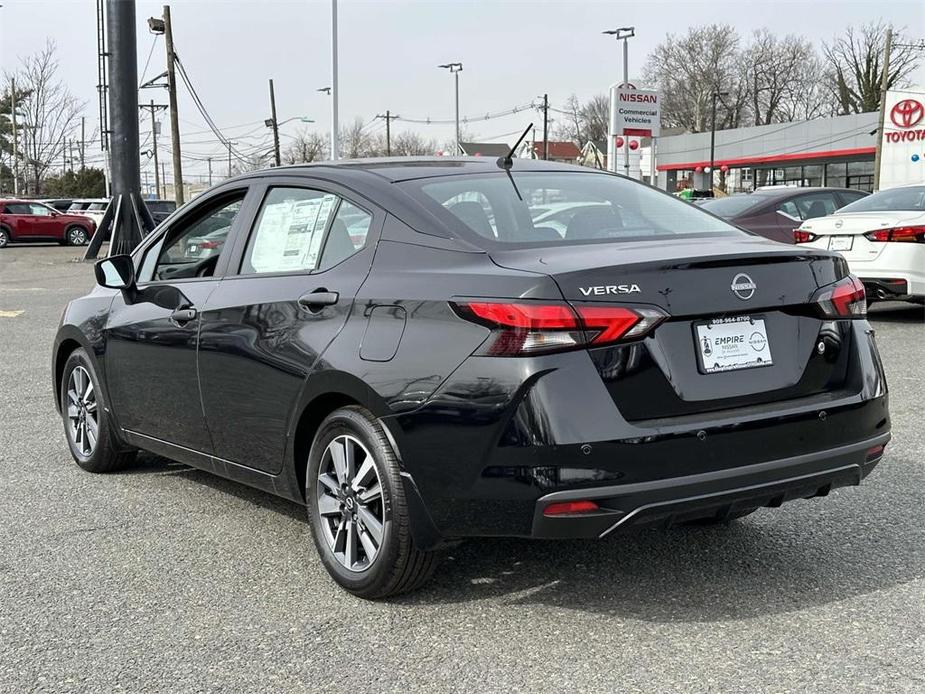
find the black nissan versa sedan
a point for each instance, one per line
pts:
(397, 345)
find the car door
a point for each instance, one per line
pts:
(152, 333)
(18, 217)
(295, 277)
(43, 222)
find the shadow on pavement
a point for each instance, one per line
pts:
(807, 554)
(895, 312)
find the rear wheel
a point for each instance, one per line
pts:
(76, 236)
(87, 425)
(357, 509)
(4, 237)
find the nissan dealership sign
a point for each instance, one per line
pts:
(634, 112)
(902, 158)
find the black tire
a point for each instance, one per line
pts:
(4, 237)
(107, 453)
(76, 236)
(398, 566)
(722, 520)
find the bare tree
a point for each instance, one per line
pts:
(306, 147)
(356, 140)
(776, 75)
(411, 144)
(584, 121)
(689, 69)
(50, 113)
(855, 62)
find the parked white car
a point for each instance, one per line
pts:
(882, 237)
(94, 208)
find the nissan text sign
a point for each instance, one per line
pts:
(902, 154)
(635, 112)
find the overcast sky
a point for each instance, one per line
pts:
(512, 52)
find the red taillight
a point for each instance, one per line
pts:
(531, 328)
(800, 236)
(844, 299)
(568, 508)
(209, 244)
(906, 234)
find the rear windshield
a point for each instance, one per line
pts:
(732, 206)
(911, 198)
(560, 208)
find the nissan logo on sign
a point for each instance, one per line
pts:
(907, 113)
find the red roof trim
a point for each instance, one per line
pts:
(771, 158)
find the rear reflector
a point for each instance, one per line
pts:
(568, 508)
(874, 453)
(529, 328)
(843, 299)
(905, 234)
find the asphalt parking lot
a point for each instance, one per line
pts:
(163, 578)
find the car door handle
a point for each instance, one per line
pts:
(183, 315)
(313, 301)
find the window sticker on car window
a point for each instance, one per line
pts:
(289, 234)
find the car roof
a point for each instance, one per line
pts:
(396, 169)
(785, 191)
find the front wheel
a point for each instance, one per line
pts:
(357, 509)
(76, 236)
(86, 423)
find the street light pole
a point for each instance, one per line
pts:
(716, 95)
(15, 139)
(455, 69)
(334, 149)
(274, 124)
(624, 34)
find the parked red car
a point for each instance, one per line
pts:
(26, 220)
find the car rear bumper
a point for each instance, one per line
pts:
(716, 494)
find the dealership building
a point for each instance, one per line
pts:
(835, 152)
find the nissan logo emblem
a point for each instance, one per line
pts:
(743, 286)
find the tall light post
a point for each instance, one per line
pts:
(455, 69)
(334, 151)
(624, 34)
(327, 90)
(716, 95)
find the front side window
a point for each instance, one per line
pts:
(193, 249)
(816, 205)
(40, 210)
(560, 208)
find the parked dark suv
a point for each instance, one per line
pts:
(395, 344)
(23, 221)
(775, 212)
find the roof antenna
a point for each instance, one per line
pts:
(507, 161)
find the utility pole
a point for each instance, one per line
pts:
(274, 124)
(15, 139)
(164, 179)
(884, 85)
(388, 131)
(157, 176)
(174, 116)
(229, 158)
(335, 154)
(64, 157)
(545, 126)
(210, 172)
(83, 141)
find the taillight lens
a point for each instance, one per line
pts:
(800, 236)
(906, 234)
(844, 299)
(521, 328)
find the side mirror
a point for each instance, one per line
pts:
(116, 272)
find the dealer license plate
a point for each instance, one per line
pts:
(727, 344)
(841, 243)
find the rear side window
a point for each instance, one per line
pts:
(347, 235)
(18, 208)
(559, 208)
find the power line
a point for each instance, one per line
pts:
(466, 119)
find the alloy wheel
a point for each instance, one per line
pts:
(78, 237)
(82, 411)
(349, 498)
(4, 238)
